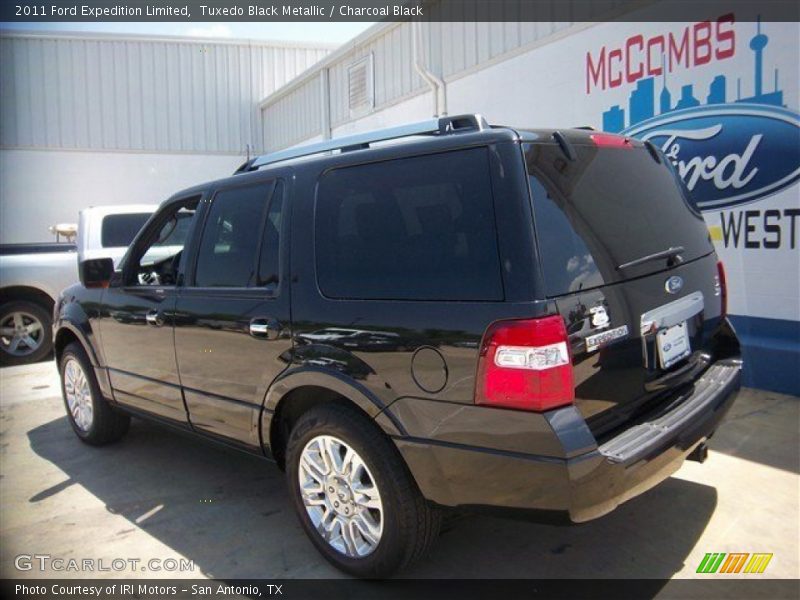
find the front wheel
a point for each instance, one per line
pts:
(92, 418)
(354, 495)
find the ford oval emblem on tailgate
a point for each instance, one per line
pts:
(674, 284)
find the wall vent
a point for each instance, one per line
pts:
(361, 86)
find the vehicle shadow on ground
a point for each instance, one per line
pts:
(231, 515)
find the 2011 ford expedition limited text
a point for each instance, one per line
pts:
(469, 316)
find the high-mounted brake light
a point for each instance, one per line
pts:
(722, 286)
(525, 364)
(611, 141)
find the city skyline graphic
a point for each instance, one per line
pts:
(642, 100)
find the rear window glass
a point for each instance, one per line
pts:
(119, 230)
(609, 207)
(419, 228)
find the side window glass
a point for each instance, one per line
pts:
(229, 245)
(419, 228)
(269, 259)
(158, 262)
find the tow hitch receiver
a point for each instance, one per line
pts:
(699, 454)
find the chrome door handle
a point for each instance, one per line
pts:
(265, 328)
(259, 328)
(154, 318)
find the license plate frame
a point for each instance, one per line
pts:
(673, 344)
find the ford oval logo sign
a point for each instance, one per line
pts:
(728, 154)
(674, 284)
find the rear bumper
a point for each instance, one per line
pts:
(583, 486)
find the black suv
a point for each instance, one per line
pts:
(468, 316)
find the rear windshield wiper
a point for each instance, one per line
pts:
(673, 251)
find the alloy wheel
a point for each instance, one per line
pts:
(79, 395)
(341, 496)
(21, 333)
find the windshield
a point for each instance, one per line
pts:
(608, 207)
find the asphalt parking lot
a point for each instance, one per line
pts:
(161, 495)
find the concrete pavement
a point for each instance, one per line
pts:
(162, 495)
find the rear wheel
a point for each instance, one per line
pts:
(92, 418)
(354, 495)
(26, 334)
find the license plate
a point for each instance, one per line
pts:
(673, 344)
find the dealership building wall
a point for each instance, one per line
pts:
(90, 119)
(727, 89)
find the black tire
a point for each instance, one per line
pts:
(33, 312)
(107, 424)
(410, 524)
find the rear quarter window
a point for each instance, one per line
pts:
(420, 228)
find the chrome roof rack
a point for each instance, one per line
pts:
(358, 141)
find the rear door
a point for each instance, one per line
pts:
(631, 268)
(403, 270)
(232, 316)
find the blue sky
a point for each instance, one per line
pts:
(335, 33)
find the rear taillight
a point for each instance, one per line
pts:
(722, 286)
(525, 364)
(611, 141)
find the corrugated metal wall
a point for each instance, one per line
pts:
(139, 94)
(294, 117)
(452, 50)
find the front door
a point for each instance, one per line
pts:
(232, 317)
(136, 327)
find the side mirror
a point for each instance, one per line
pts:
(96, 272)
